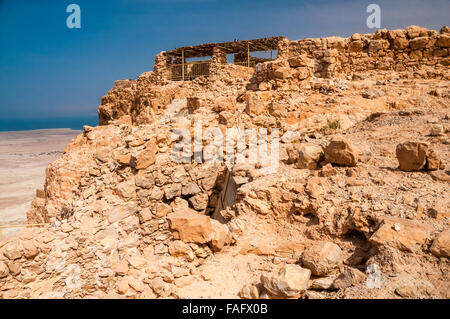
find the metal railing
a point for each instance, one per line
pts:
(193, 70)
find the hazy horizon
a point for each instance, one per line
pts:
(38, 123)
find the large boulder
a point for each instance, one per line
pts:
(441, 244)
(191, 226)
(411, 156)
(402, 234)
(339, 151)
(322, 258)
(290, 282)
(416, 156)
(309, 156)
(194, 227)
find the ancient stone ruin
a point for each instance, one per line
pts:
(358, 207)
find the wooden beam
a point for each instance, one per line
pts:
(248, 54)
(228, 47)
(182, 64)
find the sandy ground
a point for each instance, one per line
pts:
(24, 155)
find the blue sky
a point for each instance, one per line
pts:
(48, 70)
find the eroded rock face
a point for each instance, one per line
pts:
(339, 151)
(322, 258)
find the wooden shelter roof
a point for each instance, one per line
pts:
(206, 49)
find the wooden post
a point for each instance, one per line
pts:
(182, 64)
(271, 54)
(248, 54)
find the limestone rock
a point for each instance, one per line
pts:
(199, 202)
(441, 244)
(4, 270)
(437, 130)
(122, 268)
(350, 277)
(122, 286)
(322, 258)
(438, 212)
(145, 215)
(162, 210)
(172, 190)
(220, 237)
(340, 151)
(415, 31)
(415, 156)
(402, 234)
(30, 249)
(300, 61)
(421, 43)
(13, 250)
(309, 156)
(144, 159)
(190, 189)
(137, 261)
(178, 248)
(136, 284)
(290, 282)
(124, 159)
(323, 283)
(443, 41)
(191, 226)
(433, 160)
(411, 156)
(282, 73)
(249, 292)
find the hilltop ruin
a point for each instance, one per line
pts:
(358, 208)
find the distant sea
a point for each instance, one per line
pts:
(74, 123)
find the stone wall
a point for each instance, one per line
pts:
(397, 50)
